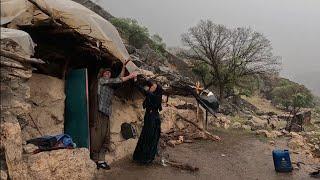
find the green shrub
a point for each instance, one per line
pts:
(138, 35)
(292, 95)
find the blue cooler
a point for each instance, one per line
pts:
(281, 160)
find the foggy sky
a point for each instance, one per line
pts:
(293, 26)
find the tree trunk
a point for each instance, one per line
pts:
(221, 92)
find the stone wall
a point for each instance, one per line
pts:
(129, 111)
(14, 95)
(47, 99)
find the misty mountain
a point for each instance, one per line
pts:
(310, 79)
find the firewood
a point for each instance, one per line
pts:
(188, 141)
(183, 166)
(12, 64)
(19, 58)
(211, 136)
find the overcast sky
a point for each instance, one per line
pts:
(293, 26)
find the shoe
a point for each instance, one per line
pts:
(103, 165)
(315, 174)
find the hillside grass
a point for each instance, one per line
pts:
(262, 104)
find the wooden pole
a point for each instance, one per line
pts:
(212, 137)
(12, 64)
(183, 166)
(206, 126)
(198, 89)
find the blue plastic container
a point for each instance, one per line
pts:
(281, 160)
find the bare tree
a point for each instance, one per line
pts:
(230, 54)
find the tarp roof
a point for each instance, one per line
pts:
(80, 18)
(11, 9)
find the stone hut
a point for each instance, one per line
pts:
(51, 52)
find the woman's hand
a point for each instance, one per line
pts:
(133, 75)
(130, 76)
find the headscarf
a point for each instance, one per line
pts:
(153, 100)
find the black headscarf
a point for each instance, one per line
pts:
(153, 100)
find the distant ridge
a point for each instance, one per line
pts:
(95, 8)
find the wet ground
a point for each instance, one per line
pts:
(238, 156)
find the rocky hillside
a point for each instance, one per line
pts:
(96, 8)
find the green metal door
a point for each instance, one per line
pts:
(76, 110)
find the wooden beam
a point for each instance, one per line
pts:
(206, 125)
(19, 58)
(12, 64)
(40, 8)
(211, 136)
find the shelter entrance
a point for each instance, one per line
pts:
(77, 107)
(71, 57)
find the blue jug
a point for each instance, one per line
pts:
(281, 160)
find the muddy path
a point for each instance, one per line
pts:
(239, 156)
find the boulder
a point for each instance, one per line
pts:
(3, 175)
(276, 133)
(29, 148)
(294, 135)
(46, 117)
(236, 125)
(121, 150)
(246, 127)
(168, 117)
(305, 117)
(265, 117)
(296, 142)
(265, 133)
(285, 132)
(11, 142)
(257, 123)
(272, 143)
(226, 126)
(223, 119)
(223, 122)
(61, 164)
(180, 125)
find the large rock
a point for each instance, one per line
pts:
(121, 150)
(223, 121)
(246, 127)
(266, 133)
(3, 175)
(257, 123)
(236, 125)
(168, 117)
(11, 142)
(296, 142)
(48, 100)
(276, 133)
(61, 164)
(305, 117)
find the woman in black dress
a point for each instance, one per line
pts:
(147, 146)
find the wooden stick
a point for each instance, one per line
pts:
(12, 64)
(206, 126)
(41, 9)
(183, 166)
(36, 126)
(197, 118)
(19, 58)
(212, 137)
